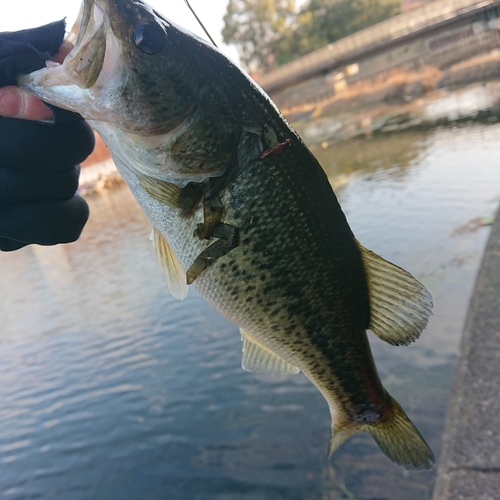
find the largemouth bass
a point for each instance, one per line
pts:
(242, 210)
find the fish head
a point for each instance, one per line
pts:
(141, 82)
(126, 67)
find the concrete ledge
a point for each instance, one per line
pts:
(469, 468)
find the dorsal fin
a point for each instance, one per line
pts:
(170, 266)
(258, 358)
(400, 305)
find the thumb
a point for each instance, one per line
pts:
(14, 103)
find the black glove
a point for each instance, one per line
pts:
(38, 161)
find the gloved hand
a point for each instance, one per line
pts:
(38, 160)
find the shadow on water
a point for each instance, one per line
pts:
(111, 388)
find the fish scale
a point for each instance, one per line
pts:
(242, 209)
(266, 310)
(255, 257)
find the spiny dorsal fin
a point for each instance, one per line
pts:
(258, 358)
(169, 194)
(170, 266)
(400, 305)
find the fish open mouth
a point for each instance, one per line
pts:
(84, 63)
(95, 53)
(87, 71)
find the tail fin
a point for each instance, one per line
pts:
(396, 435)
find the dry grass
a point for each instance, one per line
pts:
(398, 84)
(480, 68)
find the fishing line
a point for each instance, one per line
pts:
(199, 21)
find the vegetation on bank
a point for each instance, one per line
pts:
(269, 33)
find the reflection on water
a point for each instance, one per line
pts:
(464, 102)
(111, 388)
(346, 160)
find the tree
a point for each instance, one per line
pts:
(326, 21)
(255, 26)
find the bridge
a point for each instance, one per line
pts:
(438, 33)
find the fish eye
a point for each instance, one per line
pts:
(149, 38)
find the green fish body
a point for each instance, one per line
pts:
(243, 211)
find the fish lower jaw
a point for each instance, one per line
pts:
(53, 85)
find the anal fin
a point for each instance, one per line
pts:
(170, 266)
(258, 358)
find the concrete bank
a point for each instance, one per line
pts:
(469, 468)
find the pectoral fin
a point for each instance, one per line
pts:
(185, 198)
(258, 358)
(170, 267)
(400, 305)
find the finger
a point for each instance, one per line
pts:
(45, 223)
(14, 103)
(7, 245)
(34, 147)
(22, 52)
(23, 187)
(45, 38)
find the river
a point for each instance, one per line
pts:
(112, 389)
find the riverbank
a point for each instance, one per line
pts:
(404, 100)
(469, 90)
(98, 177)
(469, 468)
(477, 102)
(474, 102)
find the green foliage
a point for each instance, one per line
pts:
(271, 32)
(331, 20)
(254, 26)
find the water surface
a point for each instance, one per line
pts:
(112, 389)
